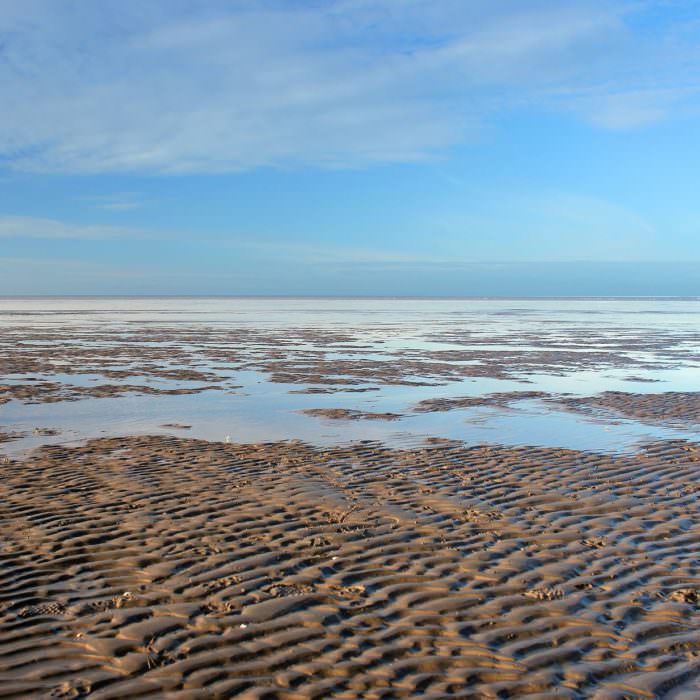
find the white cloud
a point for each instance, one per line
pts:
(117, 201)
(550, 225)
(324, 254)
(35, 227)
(630, 109)
(541, 225)
(250, 247)
(24, 275)
(176, 87)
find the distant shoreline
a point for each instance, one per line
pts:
(396, 297)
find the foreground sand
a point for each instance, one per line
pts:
(160, 567)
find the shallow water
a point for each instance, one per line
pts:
(643, 345)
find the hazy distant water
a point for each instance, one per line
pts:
(290, 311)
(662, 335)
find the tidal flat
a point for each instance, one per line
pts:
(344, 498)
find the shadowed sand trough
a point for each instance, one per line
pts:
(164, 567)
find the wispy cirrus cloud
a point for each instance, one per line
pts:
(547, 226)
(176, 87)
(115, 202)
(22, 227)
(248, 246)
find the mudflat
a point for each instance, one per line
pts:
(166, 567)
(491, 499)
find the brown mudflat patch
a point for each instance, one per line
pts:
(6, 437)
(682, 406)
(333, 390)
(53, 392)
(165, 567)
(179, 374)
(331, 360)
(45, 432)
(349, 414)
(499, 399)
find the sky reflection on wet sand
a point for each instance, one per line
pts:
(381, 330)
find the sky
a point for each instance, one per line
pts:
(351, 147)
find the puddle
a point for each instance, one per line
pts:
(262, 411)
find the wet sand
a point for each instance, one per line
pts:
(154, 566)
(664, 407)
(52, 392)
(349, 414)
(165, 567)
(500, 400)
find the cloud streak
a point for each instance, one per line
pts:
(23, 227)
(116, 202)
(175, 87)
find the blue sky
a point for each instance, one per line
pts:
(350, 147)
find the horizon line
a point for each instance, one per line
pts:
(485, 297)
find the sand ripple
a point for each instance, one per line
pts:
(668, 406)
(156, 566)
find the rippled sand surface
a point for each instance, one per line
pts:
(393, 551)
(137, 567)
